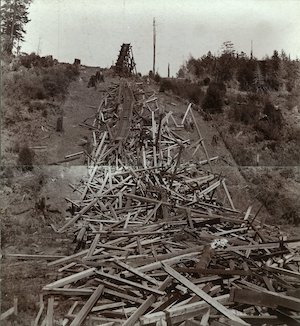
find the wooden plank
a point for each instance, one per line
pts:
(40, 312)
(71, 279)
(180, 314)
(50, 309)
(107, 306)
(214, 271)
(7, 313)
(29, 256)
(282, 271)
(202, 141)
(78, 215)
(68, 258)
(146, 304)
(124, 296)
(68, 292)
(228, 194)
(266, 299)
(125, 281)
(226, 312)
(94, 243)
(136, 272)
(81, 316)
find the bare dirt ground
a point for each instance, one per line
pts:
(26, 230)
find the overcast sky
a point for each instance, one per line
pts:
(93, 30)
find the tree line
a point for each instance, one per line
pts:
(276, 72)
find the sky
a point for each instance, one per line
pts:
(93, 30)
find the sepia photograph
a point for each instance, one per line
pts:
(150, 163)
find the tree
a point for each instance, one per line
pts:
(226, 62)
(14, 15)
(228, 48)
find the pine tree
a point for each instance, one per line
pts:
(14, 15)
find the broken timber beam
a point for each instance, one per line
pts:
(200, 293)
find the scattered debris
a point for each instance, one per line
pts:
(155, 244)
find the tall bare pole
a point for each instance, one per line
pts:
(154, 45)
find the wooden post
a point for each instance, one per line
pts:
(59, 124)
(202, 142)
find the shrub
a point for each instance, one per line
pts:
(274, 115)
(166, 85)
(25, 158)
(206, 81)
(246, 113)
(34, 60)
(271, 127)
(184, 89)
(213, 100)
(269, 131)
(157, 78)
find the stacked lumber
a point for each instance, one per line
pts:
(155, 243)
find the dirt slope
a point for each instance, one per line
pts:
(26, 230)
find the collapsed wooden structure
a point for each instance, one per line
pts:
(159, 239)
(125, 64)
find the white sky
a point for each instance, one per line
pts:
(93, 30)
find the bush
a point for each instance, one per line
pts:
(38, 83)
(184, 89)
(271, 127)
(269, 131)
(247, 114)
(166, 85)
(206, 81)
(25, 158)
(273, 114)
(157, 78)
(213, 100)
(34, 60)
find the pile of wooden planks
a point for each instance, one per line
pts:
(155, 243)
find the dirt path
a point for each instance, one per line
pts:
(80, 105)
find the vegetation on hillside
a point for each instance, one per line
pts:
(31, 88)
(254, 103)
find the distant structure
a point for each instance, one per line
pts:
(77, 62)
(251, 53)
(125, 64)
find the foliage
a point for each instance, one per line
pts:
(157, 77)
(26, 90)
(274, 73)
(273, 114)
(206, 81)
(38, 83)
(213, 100)
(248, 114)
(246, 74)
(182, 88)
(272, 125)
(14, 15)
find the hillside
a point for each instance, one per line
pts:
(36, 194)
